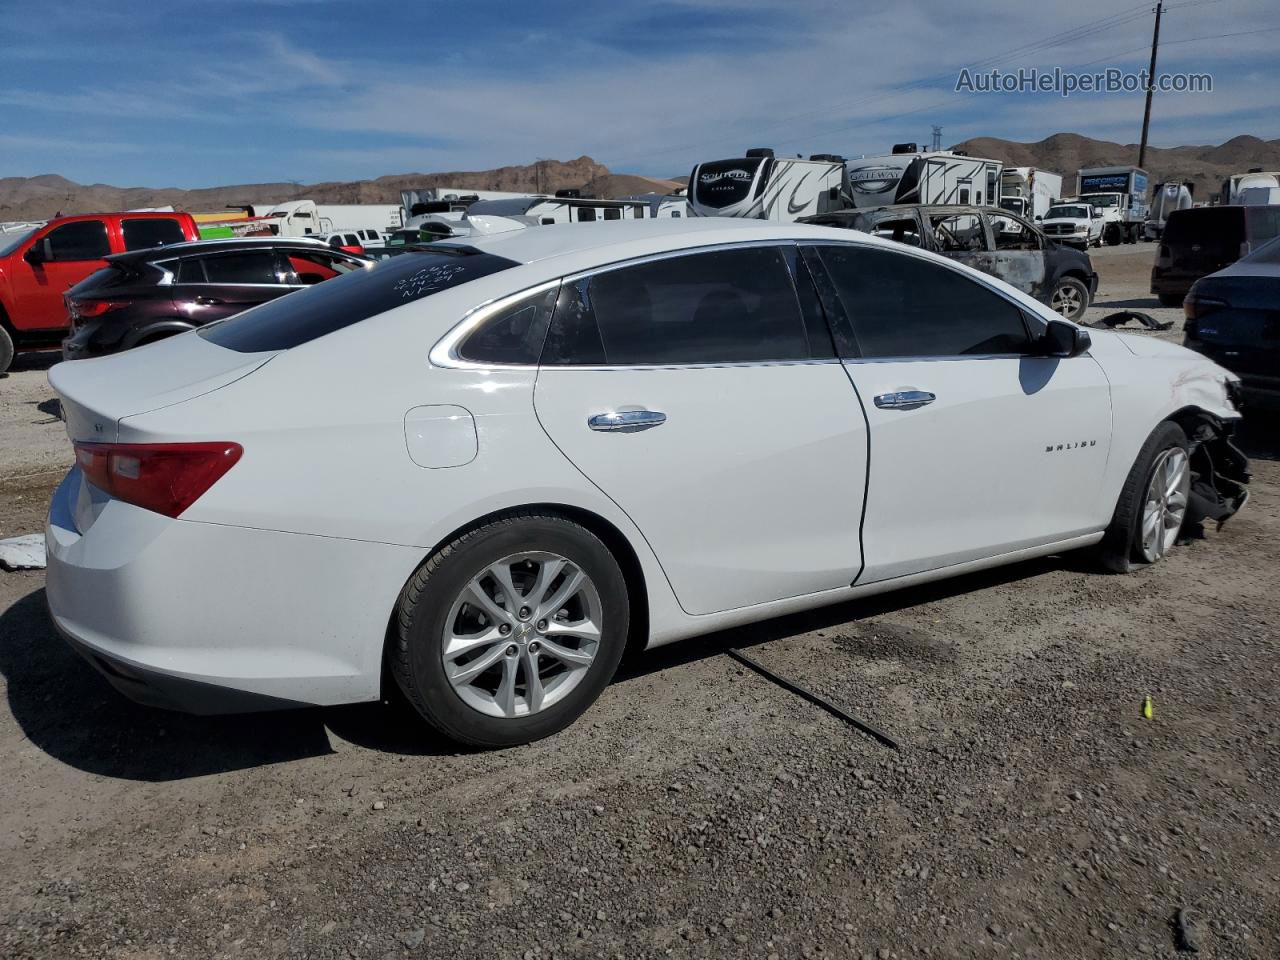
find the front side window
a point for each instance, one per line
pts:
(321, 309)
(144, 234)
(82, 240)
(724, 306)
(901, 305)
(251, 266)
(959, 234)
(1012, 234)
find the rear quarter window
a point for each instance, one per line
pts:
(311, 313)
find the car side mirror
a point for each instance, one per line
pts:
(39, 253)
(1065, 340)
(1039, 218)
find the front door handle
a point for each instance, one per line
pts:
(905, 399)
(627, 420)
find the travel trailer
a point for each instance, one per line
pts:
(1121, 194)
(910, 175)
(301, 218)
(1165, 198)
(661, 205)
(1252, 187)
(764, 187)
(1029, 191)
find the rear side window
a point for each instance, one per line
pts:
(1264, 223)
(726, 306)
(190, 270)
(514, 334)
(254, 266)
(82, 240)
(303, 316)
(143, 234)
(1214, 227)
(902, 305)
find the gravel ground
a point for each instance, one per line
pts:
(697, 810)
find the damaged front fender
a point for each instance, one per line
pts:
(1219, 471)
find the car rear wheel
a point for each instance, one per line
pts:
(512, 631)
(6, 350)
(1153, 502)
(1070, 298)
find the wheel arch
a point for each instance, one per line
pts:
(604, 529)
(156, 331)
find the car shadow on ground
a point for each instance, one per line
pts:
(35, 360)
(65, 708)
(845, 614)
(1133, 303)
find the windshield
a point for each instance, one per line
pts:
(1074, 213)
(289, 321)
(11, 242)
(1103, 199)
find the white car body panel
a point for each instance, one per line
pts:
(282, 578)
(802, 492)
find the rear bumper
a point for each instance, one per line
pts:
(207, 618)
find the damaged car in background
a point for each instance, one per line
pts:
(994, 241)
(567, 454)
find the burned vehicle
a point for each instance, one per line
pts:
(997, 242)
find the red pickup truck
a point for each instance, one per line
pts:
(37, 266)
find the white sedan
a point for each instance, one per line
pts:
(485, 470)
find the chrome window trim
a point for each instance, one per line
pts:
(445, 352)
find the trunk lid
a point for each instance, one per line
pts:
(97, 394)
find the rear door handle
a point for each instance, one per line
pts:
(905, 399)
(208, 301)
(627, 420)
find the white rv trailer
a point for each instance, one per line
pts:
(911, 175)
(301, 218)
(1165, 198)
(564, 207)
(1029, 191)
(764, 187)
(661, 205)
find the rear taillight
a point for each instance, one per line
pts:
(1195, 307)
(83, 309)
(164, 477)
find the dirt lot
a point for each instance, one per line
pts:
(696, 810)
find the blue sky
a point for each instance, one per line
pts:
(184, 93)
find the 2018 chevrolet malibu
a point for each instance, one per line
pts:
(486, 468)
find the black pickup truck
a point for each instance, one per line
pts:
(991, 240)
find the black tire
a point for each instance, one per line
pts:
(6, 350)
(415, 654)
(1119, 550)
(1082, 296)
(1171, 300)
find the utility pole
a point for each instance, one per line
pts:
(1151, 82)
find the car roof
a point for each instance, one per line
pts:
(612, 240)
(191, 247)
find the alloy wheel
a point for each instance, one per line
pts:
(1165, 506)
(1066, 300)
(522, 634)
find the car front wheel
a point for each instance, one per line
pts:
(1153, 502)
(509, 633)
(1070, 298)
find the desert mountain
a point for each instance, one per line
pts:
(1065, 153)
(41, 197)
(23, 198)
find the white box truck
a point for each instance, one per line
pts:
(1121, 194)
(1029, 191)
